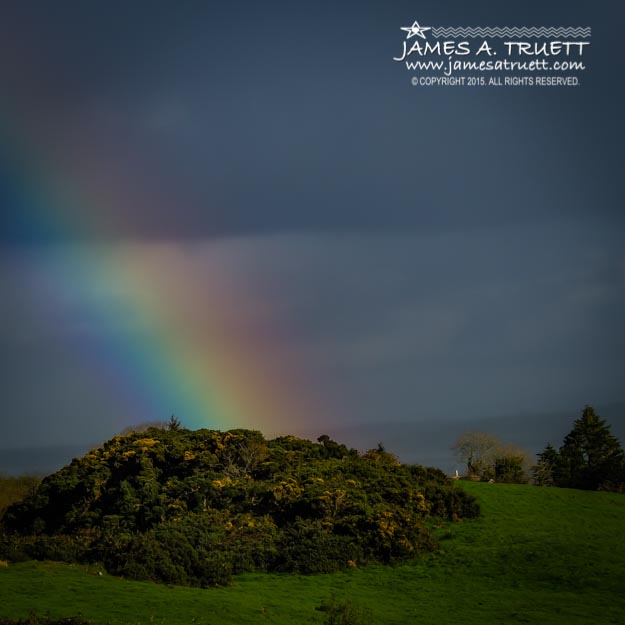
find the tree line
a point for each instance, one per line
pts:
(590, 458)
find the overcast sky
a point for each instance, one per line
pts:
(393, 254)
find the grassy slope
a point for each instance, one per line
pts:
(535, 556)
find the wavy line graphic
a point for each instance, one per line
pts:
(514, 31)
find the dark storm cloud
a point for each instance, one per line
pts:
(207, 121)
(478, 322)
(430, 253)
(397, 328)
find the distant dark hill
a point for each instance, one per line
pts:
(423, 441)
(193, 507)
(38, 460)
(428, 442)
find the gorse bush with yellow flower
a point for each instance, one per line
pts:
(196, 507)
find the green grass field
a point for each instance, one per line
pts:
(536, 555)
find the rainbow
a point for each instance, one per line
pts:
(175, 339)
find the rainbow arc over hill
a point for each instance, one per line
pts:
(162, 330)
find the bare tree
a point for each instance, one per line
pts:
(478, 450)
(487, 457)
(142, 427)
(244, 457)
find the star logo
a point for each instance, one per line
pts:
(415, 30)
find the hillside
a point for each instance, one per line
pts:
(534, 556)
(195, 507)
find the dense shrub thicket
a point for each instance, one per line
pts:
(195, 507)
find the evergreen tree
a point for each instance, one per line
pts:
(174, 424)
(544, 470)
(591, 457)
